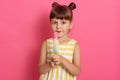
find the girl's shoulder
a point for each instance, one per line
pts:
(49, 40)
(74, 40)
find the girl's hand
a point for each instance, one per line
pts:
(57, 59)
(52, 64)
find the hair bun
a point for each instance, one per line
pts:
(72, 5)
(54, 4)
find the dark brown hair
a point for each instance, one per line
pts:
(62, 11)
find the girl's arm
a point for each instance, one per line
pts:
(73, 68)
(43, 66)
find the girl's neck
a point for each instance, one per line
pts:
(65, 37)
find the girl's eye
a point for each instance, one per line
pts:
(63, 22)
(54, 22)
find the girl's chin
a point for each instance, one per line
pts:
(60, 35)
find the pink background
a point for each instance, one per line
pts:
(24, 24)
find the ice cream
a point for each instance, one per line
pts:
(55, 43)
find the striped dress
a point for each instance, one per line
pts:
(60, 72)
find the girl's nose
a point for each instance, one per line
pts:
(58, 26)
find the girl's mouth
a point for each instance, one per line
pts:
(58, 31)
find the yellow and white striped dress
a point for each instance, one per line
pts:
(60, 72)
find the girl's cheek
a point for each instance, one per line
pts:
(53, 28)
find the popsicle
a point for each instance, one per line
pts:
(55, 43)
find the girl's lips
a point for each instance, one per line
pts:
(58, 31)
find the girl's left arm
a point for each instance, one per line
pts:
(73, 68)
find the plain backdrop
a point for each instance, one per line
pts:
(24, 24)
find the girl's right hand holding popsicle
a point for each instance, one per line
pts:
(52, 64)
(56, 60)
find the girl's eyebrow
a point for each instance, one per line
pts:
(65, 20)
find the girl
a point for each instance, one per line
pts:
(66, 64)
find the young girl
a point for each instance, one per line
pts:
(66, 64)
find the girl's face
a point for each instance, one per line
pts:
(60, 26)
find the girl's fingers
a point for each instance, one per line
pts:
(57, 62)
(56, 59)
(53, 64)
